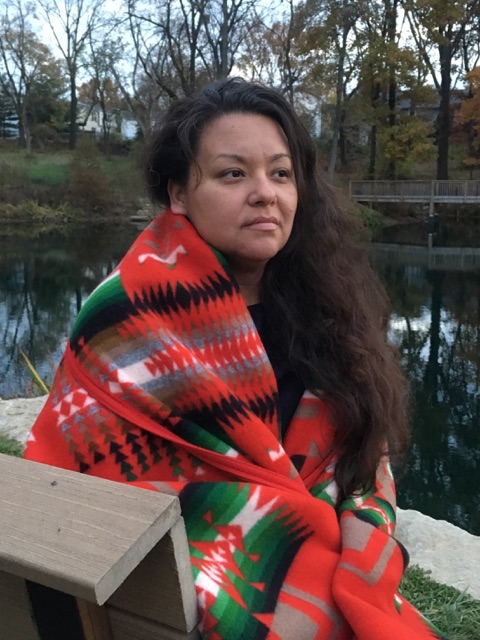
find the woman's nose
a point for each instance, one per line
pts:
(262, 191)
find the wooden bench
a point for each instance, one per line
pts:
(83, 558)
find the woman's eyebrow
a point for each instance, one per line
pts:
(239, 158)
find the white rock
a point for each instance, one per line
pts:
(17, 416)
(451, 554)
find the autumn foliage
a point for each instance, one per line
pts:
(468, 115)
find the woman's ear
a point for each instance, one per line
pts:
(176, 192)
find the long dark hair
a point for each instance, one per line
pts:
(333, 311)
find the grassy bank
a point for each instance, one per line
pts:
(68, 184)
(455, 613)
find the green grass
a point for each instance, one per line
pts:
(10, 447)
(456, 614)
(51, 168)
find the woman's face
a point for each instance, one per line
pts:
(242, 197)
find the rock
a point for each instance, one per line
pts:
(451, 554)
(17, 416)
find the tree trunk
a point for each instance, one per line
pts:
(25, 131)
(224, 42)
(342, 139)
(372, 165)
(391, 172)
(72, 139)
(443, 118)
(339, 103)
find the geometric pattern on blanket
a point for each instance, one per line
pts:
(165, 384)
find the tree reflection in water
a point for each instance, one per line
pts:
(45, 276)
(435, 323)
(44, 279)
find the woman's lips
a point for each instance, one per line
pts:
(263, 224)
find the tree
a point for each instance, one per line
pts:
(73, 23)
(268, 53)
(445, 25)
(103, 89)
(339, 19)
(469, 116)
(279, 51)
(226, 24)
(181, 44)
(48, 107)
(370, 66)
(25, 64)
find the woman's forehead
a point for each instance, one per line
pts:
(232, 133)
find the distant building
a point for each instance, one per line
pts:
(90, 119)
(9, 127)
(428, 111)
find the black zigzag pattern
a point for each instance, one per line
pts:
(169, 299)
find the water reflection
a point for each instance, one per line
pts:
(44, 279)
(436, 324)
(45, 276)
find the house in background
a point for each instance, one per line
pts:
(9, 127)
(128, 125)
(90, 119)
(428, 111)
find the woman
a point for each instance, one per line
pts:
(238, 357)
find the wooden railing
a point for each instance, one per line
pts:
(83, 558)
(416, 191)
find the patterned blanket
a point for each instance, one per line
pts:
(165, 383)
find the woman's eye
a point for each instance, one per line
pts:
(233, 173)
(282, 173)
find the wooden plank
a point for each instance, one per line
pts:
(76, 533)
(94, 620)
(161, 588)
(127, 626)
(16, 616)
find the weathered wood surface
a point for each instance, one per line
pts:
(75, 533)
(159, 588)
(101, 542)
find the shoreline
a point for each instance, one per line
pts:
(446, 551)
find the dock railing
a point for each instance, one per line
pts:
(416, 191)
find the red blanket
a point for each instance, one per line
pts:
(165, 383)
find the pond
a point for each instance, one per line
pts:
(46, 276)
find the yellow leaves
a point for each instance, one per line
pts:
(409, 139)
(469, 110)
(472, 162)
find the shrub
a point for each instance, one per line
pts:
(88, 185)
(370, 218)
(34, 211)
(13, 175)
